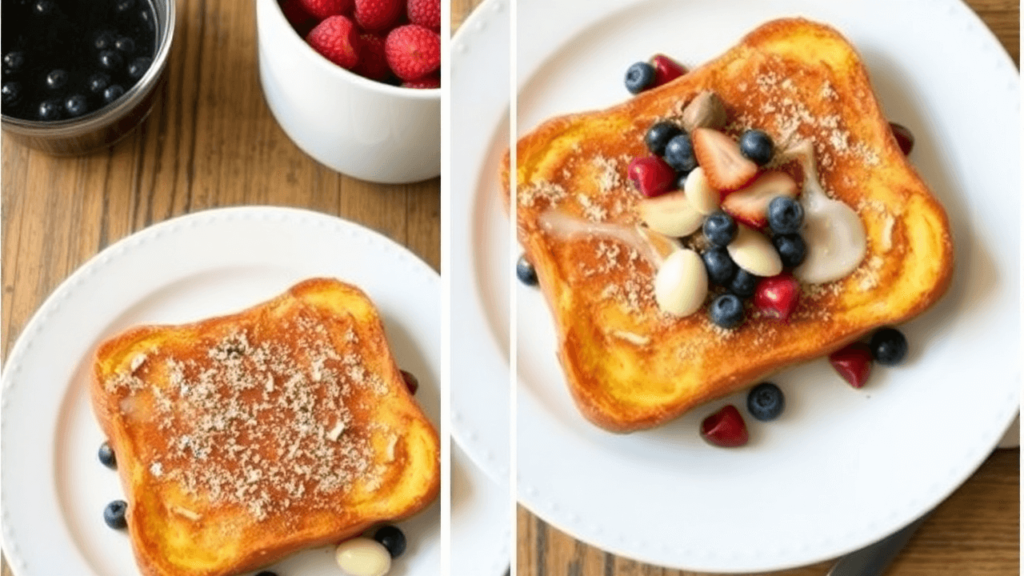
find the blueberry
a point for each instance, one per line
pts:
(124, 5)
(107, 457)
(639, 77)
(44, 7)
(14, 62)
(103, 40)
(757, 147)
(392, 538)
(49, 109)
(719, 265)
(56, 79)
(125, 44)
(98, 83)
(113, 514)
(765, 401)
(785, 215)
(111, 60)
(679, 154)
(76, 105)
(681, 180)
(112, 93)
(138, 67)
(658, 136)
(743, 284)
(726, 311)
(525, 271)
(11, 92)
(889, 346)
(720, 228)
(791, 248)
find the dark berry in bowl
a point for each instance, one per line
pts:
(679, 154)
(791, 248)
(98, 83)
(44, 7)
(525, 271)
(112, 93)
(103, 40)
(76, 105)
(49, 110)
(757, 146)
(719, 265)
(785, 215)
(720, 228)
(14, 62)
(392, 538)
(124, 5)
(726, 311)
(659, 134)
(889, 347)
(137, 68)
(743, 284)
(11, 92)
(639, 77)
(114, 513)
(56, 79)
(111, 60)
(765, 401)
(106, 455)
(124, 44)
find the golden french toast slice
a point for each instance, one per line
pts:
(244, 438)
(628, 364)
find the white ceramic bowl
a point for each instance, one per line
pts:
(359, 127)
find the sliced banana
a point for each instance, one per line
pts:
(754, 252)
(362, 557)
(681, 283)
(670, 214)
(700, 194)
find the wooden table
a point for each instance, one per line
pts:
(211, 142)
(975, 532)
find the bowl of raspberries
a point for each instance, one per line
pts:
(356, 83)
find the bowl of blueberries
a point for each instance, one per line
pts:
(78, 75)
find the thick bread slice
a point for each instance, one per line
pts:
(244, 438)
(628, 365)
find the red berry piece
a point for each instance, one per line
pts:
(425, 83)
(413, 51)
(321, 9)
(372, 63)
(337, 40)
(904, 137)
(425, 13)
(777, 296)
(378, 15)
(666, 69)
(719, 155)
(725, 428)
(301, 21)
(853, 363)
(410, 382)
(651, 175)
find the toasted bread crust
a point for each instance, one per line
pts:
(309, 370)
(630, 367)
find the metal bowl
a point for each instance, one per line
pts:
(109, 124)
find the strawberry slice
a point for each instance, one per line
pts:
(725, 428)
(665, 70)
(777, 296)
(853, 363)
(726, 169)
(749, 205)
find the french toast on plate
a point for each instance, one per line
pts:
(632, 359)
(243, 438)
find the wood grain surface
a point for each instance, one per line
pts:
(976, 532)
(210, 142)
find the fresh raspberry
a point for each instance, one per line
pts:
(301, 21)
(321, 9)
(372, 63)
(427, 82)
(425, 13)
(337, 40)
(378, 15)
(413, 51)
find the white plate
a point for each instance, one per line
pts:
(841, 468)
(479, 246)
(185, 269)
(481, 521)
